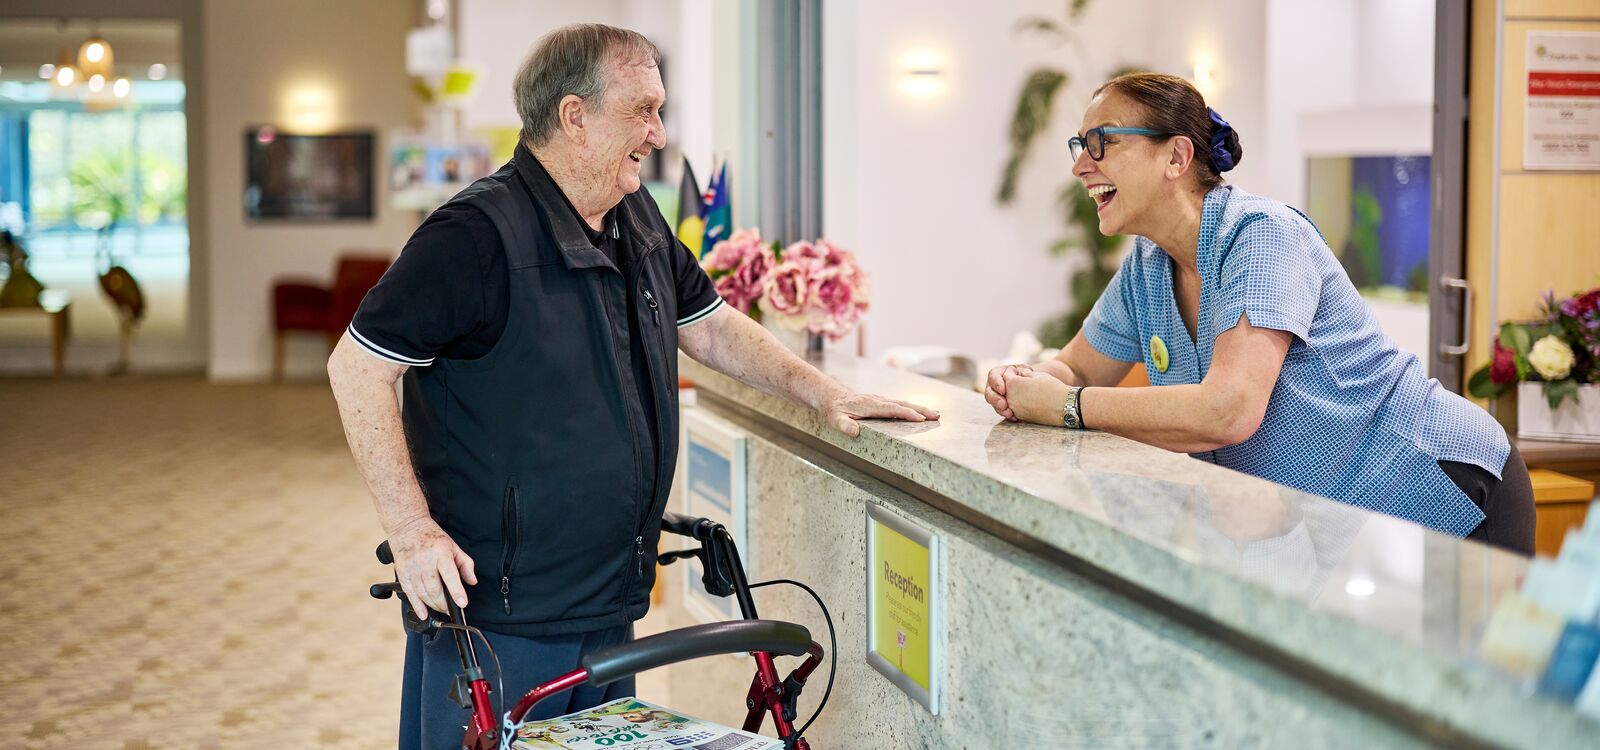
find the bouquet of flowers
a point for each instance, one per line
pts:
(1561, 350)
(813, 286)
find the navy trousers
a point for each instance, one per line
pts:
(429, 720)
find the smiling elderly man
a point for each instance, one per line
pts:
(536, 319)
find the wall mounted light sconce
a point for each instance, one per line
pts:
(309, 108)
(1205, 76)
(923, 74)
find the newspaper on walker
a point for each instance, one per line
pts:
(632, 724)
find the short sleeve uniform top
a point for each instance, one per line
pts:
(1351, 416)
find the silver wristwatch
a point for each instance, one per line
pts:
(1071, 418)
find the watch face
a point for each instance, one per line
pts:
(1069, 412)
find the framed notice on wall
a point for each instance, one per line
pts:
(714, 488)
(1561, 127)
(903, 604)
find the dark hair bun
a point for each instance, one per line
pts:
(1231, 143)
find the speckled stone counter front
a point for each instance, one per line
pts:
(1103, 593)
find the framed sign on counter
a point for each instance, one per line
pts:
(903, 604)
(714, 488)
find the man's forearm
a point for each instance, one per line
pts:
(364, 390)
(738, 347)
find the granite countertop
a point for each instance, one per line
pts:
(1376, 600)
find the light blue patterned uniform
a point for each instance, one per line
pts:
(1351, 416)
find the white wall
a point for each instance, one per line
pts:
(258, 57)
(701, 45)
(1230, 35)
(1344, 77)
(495, 35)
(909, 184)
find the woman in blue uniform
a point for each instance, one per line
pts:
(1261, 355)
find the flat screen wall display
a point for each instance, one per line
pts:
(291, 177)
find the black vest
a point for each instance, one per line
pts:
(531, 456)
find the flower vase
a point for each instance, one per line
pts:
(797, 340)
(1571, 422)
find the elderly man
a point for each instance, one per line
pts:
(536, 319)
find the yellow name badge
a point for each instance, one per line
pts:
(1158, 354)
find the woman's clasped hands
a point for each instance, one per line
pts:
(1021, 393)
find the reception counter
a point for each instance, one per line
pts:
(1096, 592)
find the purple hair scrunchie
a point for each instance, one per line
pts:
(1219, 142)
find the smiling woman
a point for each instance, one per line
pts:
(1260, 353)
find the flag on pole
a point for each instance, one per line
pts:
(691, 226)
(717, 212)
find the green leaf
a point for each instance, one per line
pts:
(1517, 338)
(1480, 386)
(1041, 25)
(1035, 103)
(1086, 285)
(1061, 246)
(1558, 390)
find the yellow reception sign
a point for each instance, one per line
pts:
(902, 610)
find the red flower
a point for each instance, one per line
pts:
(1587, 303)
(1503, 371)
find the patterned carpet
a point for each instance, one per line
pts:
(186, 566)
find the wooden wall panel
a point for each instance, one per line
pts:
(1549, 238)
(1551, 8)
(1549, 220)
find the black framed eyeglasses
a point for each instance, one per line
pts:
(1094, 140)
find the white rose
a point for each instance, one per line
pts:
(1551, 357)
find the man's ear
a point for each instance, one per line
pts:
(571, 117)
(1180, 156)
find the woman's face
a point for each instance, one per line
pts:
(1132, 179)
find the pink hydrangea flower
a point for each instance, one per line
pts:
(788, 293)
(738, 267)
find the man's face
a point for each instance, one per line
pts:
(625, 126)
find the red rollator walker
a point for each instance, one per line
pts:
(723, 576)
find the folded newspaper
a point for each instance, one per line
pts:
(632, 724)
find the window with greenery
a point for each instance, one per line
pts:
(96, 170)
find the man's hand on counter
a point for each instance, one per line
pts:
(843, 412)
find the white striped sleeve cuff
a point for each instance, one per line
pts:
(385, 354)
(699, 316)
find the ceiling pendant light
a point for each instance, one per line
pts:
(121, 87)
(94, 57)
(66, 75)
